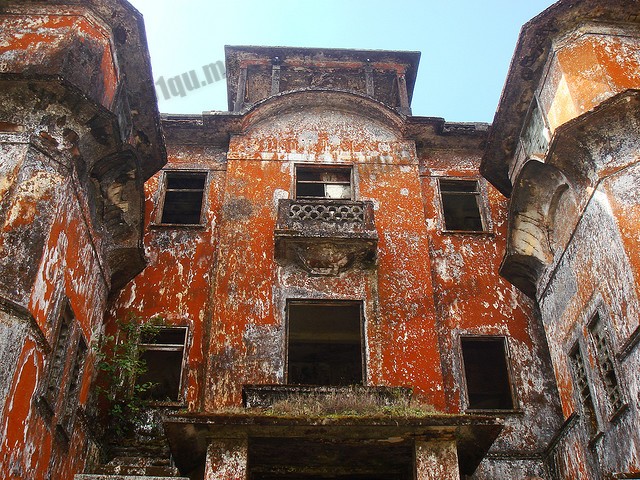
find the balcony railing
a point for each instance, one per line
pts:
(266, 396)
(325, 236)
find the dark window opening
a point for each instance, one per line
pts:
(59, 356)
(461, 205)
(163, 355)
(584, 391)
(606, 363)
(183, 197)
(61, 394)
(325, 343)
(75, 382)
(299, 458)
(314, 182)
(486, 373)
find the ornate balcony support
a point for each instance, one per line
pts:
(325, 236)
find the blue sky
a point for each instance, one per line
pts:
(466, 45)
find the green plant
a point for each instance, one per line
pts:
(119, 365)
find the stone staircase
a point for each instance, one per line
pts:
(133, 468)
(144, 457)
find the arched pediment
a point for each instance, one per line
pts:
(317, 99)
(327, 126)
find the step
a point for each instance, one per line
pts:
(141, 449)
(92, 476)
(140, 461)
(149, 470)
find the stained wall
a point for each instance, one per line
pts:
(70, 213)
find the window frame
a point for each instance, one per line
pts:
(323, 168)
(159, 347)
(508, 371)
(74, 383)
(480, 195)
(327, 302)
(58, 358)
(579, 351)
(164, 189)
(597, 319)
(67, 375)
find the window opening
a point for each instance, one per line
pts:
(163, 354)
(183, 197)
(59, 358)
(606, 363)
(486, 373)
(461, 205)
(325, 343)
(75, 382)
(584, 391)
(314, 182)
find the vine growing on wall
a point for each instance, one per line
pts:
(119, 365)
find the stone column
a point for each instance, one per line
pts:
(436, 460)
(368, 79)
(275, 76)
(403, 94)
(242, 86)
(226, 459)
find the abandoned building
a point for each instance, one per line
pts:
(317, 284)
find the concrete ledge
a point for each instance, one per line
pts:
(189, 434)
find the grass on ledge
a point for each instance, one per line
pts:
(353, 402)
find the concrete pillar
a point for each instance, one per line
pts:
(437, 460)
(403, 94)
(226, 459)
(275, 76)
(368, 79)
(240, 94)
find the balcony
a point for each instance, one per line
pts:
(329, 432)
(325, 236)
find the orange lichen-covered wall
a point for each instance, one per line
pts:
(472, 299)
(591, 280)
(176, 284)
(244, 281)
(593, 273)
(406, 322)
(426, 288)
(223, 279)
(251, 291)
(70, 269)
(586, 69)
(61, 73)
(61, 44)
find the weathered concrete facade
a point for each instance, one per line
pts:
(79, 134)
(232, 277)
(345, 290)
(571, 245)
